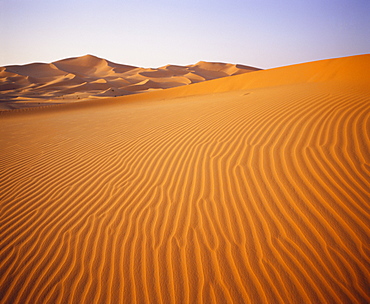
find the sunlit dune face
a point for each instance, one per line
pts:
(252, 188)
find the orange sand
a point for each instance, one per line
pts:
(247, 189)
(90, 77)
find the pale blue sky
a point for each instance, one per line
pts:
(261, 33)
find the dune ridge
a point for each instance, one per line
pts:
(90, 77)
(247, 189)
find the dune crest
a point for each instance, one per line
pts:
(245, 189)
(40, 83)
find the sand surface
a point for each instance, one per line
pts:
(246, 189)
(89, 77)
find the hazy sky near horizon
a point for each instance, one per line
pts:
(261, 33)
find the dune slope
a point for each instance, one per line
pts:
(90, 77)
(247, 189)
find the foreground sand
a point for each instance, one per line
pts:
(247, 189)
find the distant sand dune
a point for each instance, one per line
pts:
(248, 189)
(25, 86)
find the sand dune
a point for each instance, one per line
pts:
(246, 189)
(82, 78)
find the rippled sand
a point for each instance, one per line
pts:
(247, 189)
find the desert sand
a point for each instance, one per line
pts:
(252, 188)
(89, 77)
